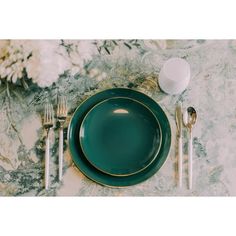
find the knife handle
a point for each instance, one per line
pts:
(180, 162)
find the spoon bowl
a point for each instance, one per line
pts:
(190, 117)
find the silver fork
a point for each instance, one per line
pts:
(48, 122)
(61, 116)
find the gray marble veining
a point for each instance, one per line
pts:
(211, 91)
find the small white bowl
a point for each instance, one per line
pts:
(174, 76)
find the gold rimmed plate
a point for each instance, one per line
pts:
(120, 136)
(98, 176)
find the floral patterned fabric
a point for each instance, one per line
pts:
(35, 71)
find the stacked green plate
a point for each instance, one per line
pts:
(119, 137)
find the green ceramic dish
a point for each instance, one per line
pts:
(90, 171)
(120, 136)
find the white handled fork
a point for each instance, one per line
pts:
(61, 115)
(48, 122)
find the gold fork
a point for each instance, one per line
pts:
(61, 116)
(48, 122)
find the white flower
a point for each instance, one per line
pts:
(46, 64)
(12, 62)
(97, 74)
(79, 53)
(153, 44)
(86, 49)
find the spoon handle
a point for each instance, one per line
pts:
(180, 161)
(190, 160)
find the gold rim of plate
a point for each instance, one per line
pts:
(122, 175)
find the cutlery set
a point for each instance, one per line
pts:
(188, 118)
(48, 123)
(107, 165)
(121, 137)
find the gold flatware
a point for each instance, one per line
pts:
(61, 116)
(178, 118)
(48, 122)
(189, 118)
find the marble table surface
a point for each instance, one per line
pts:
(127, 64)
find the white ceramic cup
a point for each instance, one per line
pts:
(174, 76)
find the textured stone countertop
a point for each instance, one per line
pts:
(127, 64)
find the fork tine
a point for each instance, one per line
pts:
(58, 105)
(51, 114)
(65, 105)
(47, 111)
(61, 105)
(61, 111)
(44, 117)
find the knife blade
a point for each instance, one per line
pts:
(178, 118)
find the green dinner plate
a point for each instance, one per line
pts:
(93, 173)
(120, 136)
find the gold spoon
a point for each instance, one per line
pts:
(189, 119)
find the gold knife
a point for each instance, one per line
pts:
(179, 124)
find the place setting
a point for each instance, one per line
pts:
(121, 137)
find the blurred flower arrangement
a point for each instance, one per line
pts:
(21, 60)
(43, 61)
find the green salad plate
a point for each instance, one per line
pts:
(80, 133)
(120, 136)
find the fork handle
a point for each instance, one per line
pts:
(60, 153)
(47, 156)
